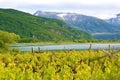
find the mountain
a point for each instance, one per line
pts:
(30, 27)
(114, 21)
(100, 29)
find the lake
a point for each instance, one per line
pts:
(24, 47)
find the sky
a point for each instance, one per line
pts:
(103, 9)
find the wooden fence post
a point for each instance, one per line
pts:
(90, 48)
(39, 49)
(32, 51)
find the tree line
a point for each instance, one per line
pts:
(6, 38)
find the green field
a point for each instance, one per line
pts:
(59, 65)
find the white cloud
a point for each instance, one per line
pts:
(98, 8)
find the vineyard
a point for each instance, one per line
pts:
(60, 65)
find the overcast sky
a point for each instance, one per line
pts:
(99, 8)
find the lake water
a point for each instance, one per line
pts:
(65, 47)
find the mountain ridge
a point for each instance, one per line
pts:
(114, 21)
(38, 28)
(95, 26)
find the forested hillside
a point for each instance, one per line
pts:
(34, 28)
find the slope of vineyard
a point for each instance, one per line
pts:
(59, 65)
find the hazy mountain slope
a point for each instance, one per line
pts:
(97, 27)
(43, 29)
(114, 21)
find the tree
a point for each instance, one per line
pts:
(7, 38)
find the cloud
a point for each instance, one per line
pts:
(98, 8)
